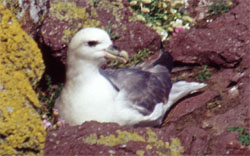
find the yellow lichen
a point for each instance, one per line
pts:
(112, 140)
(152, 137)
(18, 50)
(114, 7)
(176, 148)
(15, 7)
(75, 16)
(122, 137)
(66, 11)
(19, 121)
(140, 152)
(21, 67)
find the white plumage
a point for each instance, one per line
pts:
(126, 96)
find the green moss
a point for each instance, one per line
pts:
(203, 74)
(48, 97)
(151, 140)
(244, 137)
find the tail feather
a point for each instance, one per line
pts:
(181, 89)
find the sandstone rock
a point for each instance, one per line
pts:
(233, 117)
(195, 140)
(193, 128)
(65, 18)
(93, 138)
(228, 144)
(190, 104)
(29, 13)
(219, 43)
(21, 68)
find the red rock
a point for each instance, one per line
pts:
(233, 117)
(93, 138)
(195, 140)
(221, 43)
(190, 104)
(30, 13)
(224, 43)
(228, 144)
(64, 19)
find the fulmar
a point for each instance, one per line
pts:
(136, 96)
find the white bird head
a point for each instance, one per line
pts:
(93, 44)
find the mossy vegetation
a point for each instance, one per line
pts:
(220, 7)
(244, 137)
(203, 74)
(48, 97)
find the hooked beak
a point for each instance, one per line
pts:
(113, 53)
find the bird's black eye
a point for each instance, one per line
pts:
(92, 43)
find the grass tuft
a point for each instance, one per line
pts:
(203, 74)
(244, 137)
(48, 96)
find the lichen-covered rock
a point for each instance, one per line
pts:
(21, 68)
(195, 140)
(200, 122)
(93, 138)
(18, 51)
(65, 18)
(29, 13)
(21, 129)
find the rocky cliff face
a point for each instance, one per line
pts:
(21, 68)
(215, 51)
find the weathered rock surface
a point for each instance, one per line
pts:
(227, 143)
(220, 42)
(18, 51)
(93, 138)
(21, 68)
(65, 18)
(190, 104)
(199, 122)
(29, 13)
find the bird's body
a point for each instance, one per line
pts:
(136, 96)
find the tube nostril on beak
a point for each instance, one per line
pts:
(115, 47)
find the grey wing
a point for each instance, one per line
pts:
(144, 89)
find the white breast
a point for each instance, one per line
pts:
(90, 100)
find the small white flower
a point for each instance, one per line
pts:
(177, 24)
(162, 33)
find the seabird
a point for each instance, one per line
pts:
(137, 96)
